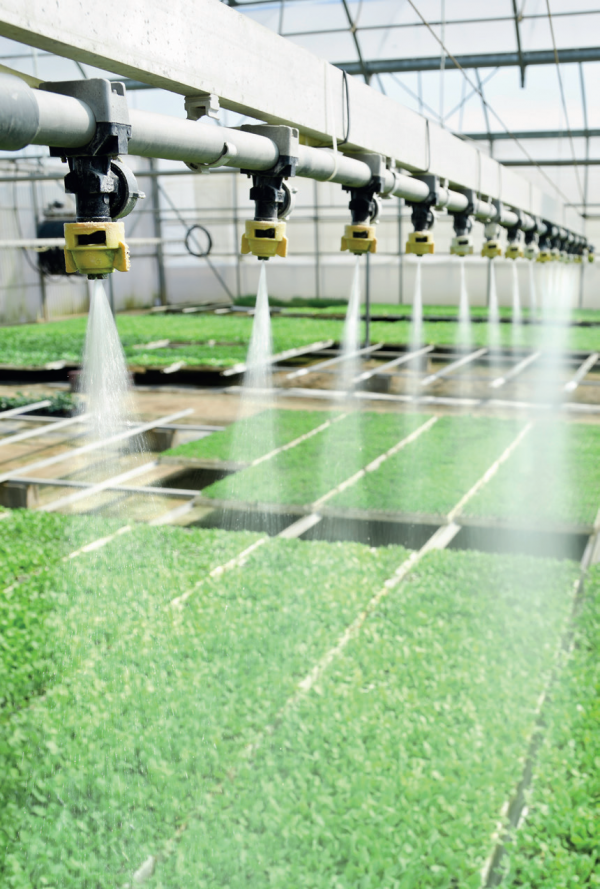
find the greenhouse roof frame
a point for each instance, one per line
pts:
(233, 44)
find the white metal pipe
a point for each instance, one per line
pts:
(316, 368)
(455, 365)
(43, 430)
(37, 117)
(91, 488)
(175, 493)
(280, 356)
(42, 244)
(24, 409)
(582, 372)
(171, 138)
(73, 453)
(63, 118)
(516, 370)
(395, 362)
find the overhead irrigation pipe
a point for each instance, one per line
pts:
(38, 117)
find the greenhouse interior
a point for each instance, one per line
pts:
(299, 444)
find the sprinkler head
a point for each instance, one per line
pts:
(264, 239)
(531, 251)
(491, 248)
(96, 249)
(359, 239)
(514, 250)
(462, 245)
(420, 243)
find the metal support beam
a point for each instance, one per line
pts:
(476, 60)
(158, 234)
(161, 46)
(353, 31)
(553, 162)
(519, 47)
(529, 134)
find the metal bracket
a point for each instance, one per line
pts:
(228, 152)
(463, 221)
(108, 103)
(422, 211)
(107, 99)
(287, 139)
(202, 105)
(270, 199)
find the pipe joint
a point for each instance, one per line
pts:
(273, 199)
(420, 241)
(105, 189)
(365, 206)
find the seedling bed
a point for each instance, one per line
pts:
(36, 346)
(219, 674)
(562, 813)
(418, 729)
(393, 768)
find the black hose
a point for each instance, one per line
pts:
(188, 235)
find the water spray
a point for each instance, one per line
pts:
(105, 189)
(420, 241)
(462, 243)
(273, 198)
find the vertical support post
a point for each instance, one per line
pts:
(581, 281)
(586, 172)
(42, 279)
(400, 253)
(368, 300)
(236, 240)
(160, 254)
(489, 283)
(442, 63)
(317, 241)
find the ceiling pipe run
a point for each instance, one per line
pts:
(36, 117)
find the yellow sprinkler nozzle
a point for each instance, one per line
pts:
(96, 249)
(591, 256)
(545, 256)
(462, 245)
(491, 249)
(264, 239)
(578, 258)
(420, 243)
(514, 251)
(531, 252)
(359, 239)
